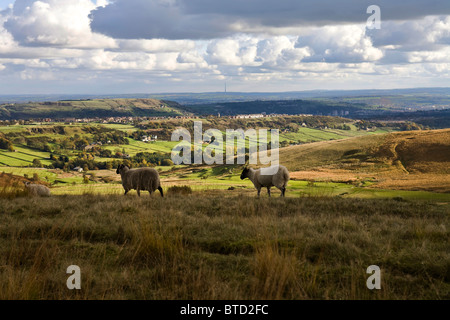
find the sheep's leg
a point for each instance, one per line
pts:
(268, 191)
(259, 191)
(161, 191)
(138, 192)
(126, 191)
(283, 190)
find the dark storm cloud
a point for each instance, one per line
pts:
(206, 19)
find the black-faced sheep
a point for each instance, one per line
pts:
(140, 179)
(276, 176)
(37, 189)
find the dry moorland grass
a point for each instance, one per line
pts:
(213, 245)
(415, 160)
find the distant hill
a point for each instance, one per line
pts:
(398, 97)
(435, 119)
(426, 151)
(291, 107)
(413, 160)
(85, 108)
(90, 108)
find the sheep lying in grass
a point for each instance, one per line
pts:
(37, 189)
(276, 176)
(140, 179)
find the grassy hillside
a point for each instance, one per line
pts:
(213, 246)
(90, 108)
(415, 151)
(339, 217)
(418, 158)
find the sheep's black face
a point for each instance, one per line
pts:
(244, 173)
(119, 168)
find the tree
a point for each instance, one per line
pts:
(293, 127)
(81, 143)
(5, 144)
(167, 162)
(37, 163)
(127, 163)
(105, 153)
(67, 144)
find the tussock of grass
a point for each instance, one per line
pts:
(211, 246)
(275, 272)
(179, 190)
(11, 186)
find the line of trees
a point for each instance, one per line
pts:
(6, 144)
(87, 161)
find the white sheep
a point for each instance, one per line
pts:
(37, 189)
(275, 176)
(139, 179)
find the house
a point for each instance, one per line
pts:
(249, 116)
(149, 138)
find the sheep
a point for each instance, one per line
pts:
(275, 176)
(37, 189)
(139, 179)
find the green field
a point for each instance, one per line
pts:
(306, 135)
(138, 146)
(357, 145)
(23, 156)
(220, 178)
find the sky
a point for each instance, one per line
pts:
(162, 46)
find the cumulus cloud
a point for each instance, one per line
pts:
(55, 23)
(340, 44)
(431, 32)
(155, 45)
(344, 44)
(438, 56)
(287, 44)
